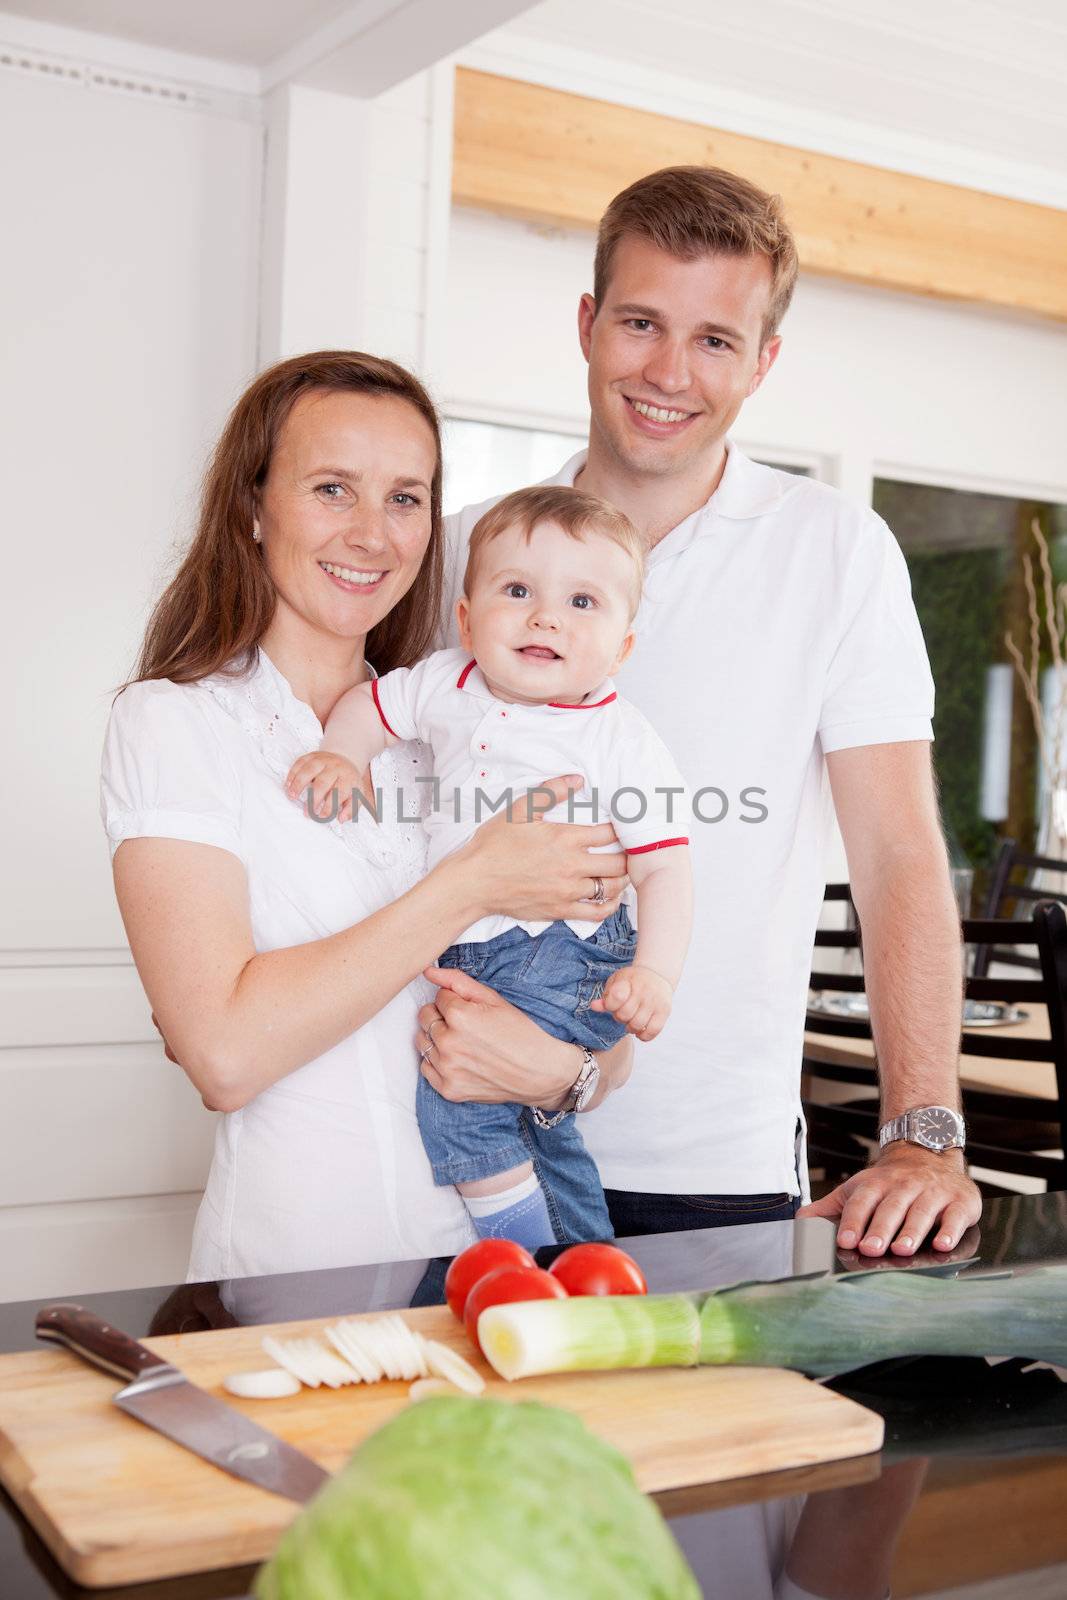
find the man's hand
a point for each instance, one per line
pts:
(322, 771)
(638, 998)
(896, 1201)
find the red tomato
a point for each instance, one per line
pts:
(506, 1284)
(598, 1269)
(474, 1262)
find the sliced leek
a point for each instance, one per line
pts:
(820, 1326)
(272, 1384)
(367, 1349)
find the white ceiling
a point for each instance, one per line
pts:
(247, 32)
(986, 74)
(983, 77)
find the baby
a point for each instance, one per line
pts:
(552, 585)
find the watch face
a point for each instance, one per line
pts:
(588, 1089)
(936, 1127)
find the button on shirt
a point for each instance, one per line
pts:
(487, 751)
(777, 625)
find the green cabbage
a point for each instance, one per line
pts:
(459, 1499)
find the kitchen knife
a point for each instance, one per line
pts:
(161, 1397)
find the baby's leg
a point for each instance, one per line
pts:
(509, 1205)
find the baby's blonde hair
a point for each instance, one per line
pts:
(576, 512)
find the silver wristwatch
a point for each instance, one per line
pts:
(934, 1127)
(581, 1092)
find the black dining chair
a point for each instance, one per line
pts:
(1012, 891)
(1010, 1133)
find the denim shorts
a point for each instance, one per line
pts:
(553, 977)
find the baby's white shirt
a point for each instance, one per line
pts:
(486, 750)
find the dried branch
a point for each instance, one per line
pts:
(1035, 619)
(1046, 579)
(1050, 728)
(1029, 683)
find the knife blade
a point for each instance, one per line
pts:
(164, 1399)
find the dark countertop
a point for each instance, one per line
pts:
(970, 1488)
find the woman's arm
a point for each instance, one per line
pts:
(239, 1020)
(486, 1049)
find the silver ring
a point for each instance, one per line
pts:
(598, 895)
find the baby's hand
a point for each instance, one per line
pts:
(322, 772)
(638, 997)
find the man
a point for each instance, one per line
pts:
(780, 658)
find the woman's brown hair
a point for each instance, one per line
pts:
(220, 603)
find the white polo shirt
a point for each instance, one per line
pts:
(777, 625)
(488, 752)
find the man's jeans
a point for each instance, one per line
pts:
(633, 1214)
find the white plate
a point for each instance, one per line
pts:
(976, 1013)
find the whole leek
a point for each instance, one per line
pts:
(819, 1326)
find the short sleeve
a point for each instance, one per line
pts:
(165, 772)
(650, 802)
(394, 696)
(410, 698)
(879, 689)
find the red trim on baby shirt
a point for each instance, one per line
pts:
(558, 705)
(661, 844)
(555, 704)
(378, 705)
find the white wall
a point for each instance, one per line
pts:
(869, 381)
(351, 222)
(128, 315)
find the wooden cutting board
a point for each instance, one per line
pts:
(117, 1503)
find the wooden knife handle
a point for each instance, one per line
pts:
(95, 1341)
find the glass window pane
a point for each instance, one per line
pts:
(966, 553)
(485, 458)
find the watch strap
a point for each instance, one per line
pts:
(575, 1098)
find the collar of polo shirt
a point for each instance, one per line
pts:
(471, 681)
(746, 488)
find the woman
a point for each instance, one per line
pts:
(280, 954)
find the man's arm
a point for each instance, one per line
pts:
(898, 867)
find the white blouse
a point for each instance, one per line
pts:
(325, 1168)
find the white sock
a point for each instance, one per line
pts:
(483, 1205)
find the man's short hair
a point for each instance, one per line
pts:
(576, 512)
(695, 211)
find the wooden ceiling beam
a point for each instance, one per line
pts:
(525, 151)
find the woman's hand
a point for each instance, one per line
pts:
(476, 1046)
(538, 872)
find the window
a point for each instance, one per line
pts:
(965, 554)
(483, 459)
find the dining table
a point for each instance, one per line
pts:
(1036, 1078)
(966, 1497)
